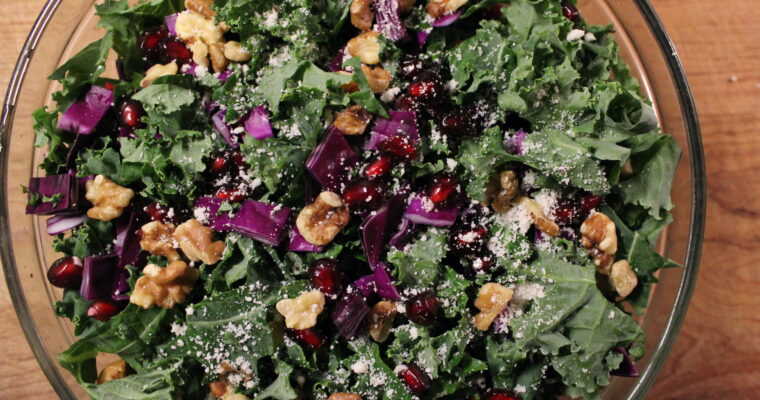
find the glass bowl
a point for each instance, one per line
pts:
(66, 26)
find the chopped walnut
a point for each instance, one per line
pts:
(108, 199)
(191, 26)
(218, 60)
(543, 224)
(600, 239)
(351, 86)
(235, 396)
(301, 312)
(200, 52)
(344, 396)
(202, 7)
(378, 78)
(353, 120)
(164, 286)
(492, 300)
(439, 8)
(322, 220)
(195, 240)
(113, 371)
(381, 320)
(361, 14)
(158, 71)
(156, 239)
(234, 51)
(622, 278)
(500, 192)
(405, 5)
(217, 389)
(366, 47)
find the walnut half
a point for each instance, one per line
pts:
(301, 312)
(353, 120)
(502, 191)
(195, 240)
(543, 224)
(156, 239)
(321, 221)
(622, 278)
(361, 14)
(344, 396)
(600, 239)
(492, 300)
(164, 286)
(109, 199)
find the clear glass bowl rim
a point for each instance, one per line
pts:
(696, 224)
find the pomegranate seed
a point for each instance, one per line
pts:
(405, 102)
(65, 272)
(156, 212)
(326, 276)
(589, 202)
(238, 158)
(175, 49)
(482, 264)
(149, 42)
(566, 212)
(443, 190)
(131, 113)
(457, 124)
(103, 310)
(233, 195)
(363, 195)
(417, 381)
(219, 165)
(311, 338)
(498, 394)
(494, 12)
(380, 166)
(570, 12)
(399, 146)
(409, 67)
(422, 308)
(427, 90)
(470, 240)
(109, 86)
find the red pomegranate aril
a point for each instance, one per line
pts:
(175, 49)
(494, 12)
(233, 195)
(566, 212)
(66, 273)
(405, 102)
(469, 241)
(498, 394)
(380, 166)
(150, 41)
(156, 211)
(219, 164)
(570, 12)
(363, 195)
(409, 67)
(326, 276)
(109, 86)
(443, 190)
(311, 338)
(131, 113)
(589, 202)
(457, 124)
(238, 158)
(416, 380)
(103, 310)
(482, 264)
(422, 308)
(426, 90)
(399, 146)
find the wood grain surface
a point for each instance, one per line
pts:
(717, 355)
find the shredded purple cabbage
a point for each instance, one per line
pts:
(514, 143)
(336, 64)
(627, 367)
(419, 214)
(62, 223)
(83, 115)
(299, 244)
(171, 21)
(331, 161)
(447, 20)
(378, 227)
(388, 22)
(224, 128)
(97, 276)
(365, 285)
(348, 314)
(257, 123)
(55, 194)
(400, 123)
(403, 235)
(128, 247)
(384, 284)
(260, 221)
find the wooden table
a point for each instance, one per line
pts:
(717, 355)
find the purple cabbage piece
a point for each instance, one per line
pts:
(121, 71)
(419, 214)
(400, 123)
(82, 142)
(405, 232)
(422, 37)
(97, 277)
(514, 143)
(336, 64)
(209, 206)
(627, 367)
(224, 75)
(348, 314)
(377, 228)
(224, 128)
(384, 285)
(299, 244)
(171, 21)
(447, 20)
(128, 247)
(62, 223)
(365, 285)
(331, 161)
(83, 115)
(388, 22)
(120, 285)
(260, 221)
(63, 186)
(257, 123)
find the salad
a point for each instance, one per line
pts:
(351, 199)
